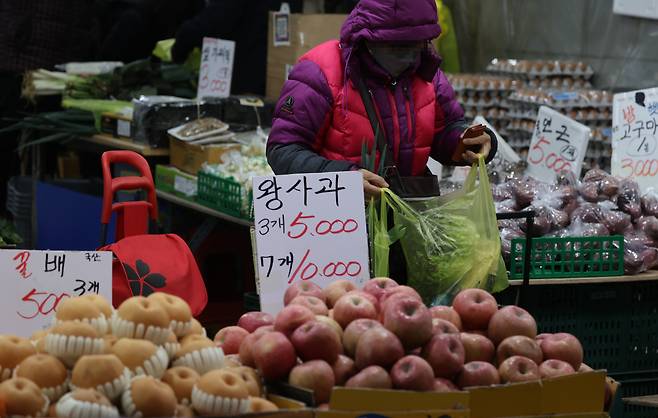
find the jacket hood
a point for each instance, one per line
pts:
(390, 20)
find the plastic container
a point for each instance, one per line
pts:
(570, 257)
(224, 195)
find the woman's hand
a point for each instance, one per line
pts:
(372, 184)
(484, 141)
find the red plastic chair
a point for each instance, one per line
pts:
(132, 217)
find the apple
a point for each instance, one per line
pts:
(302, 288)
(229, 339)
(316, 341)
(477, 347)
(441, 326)
(555, 368)
(442, 385)
(331, 313)
(379, 347)
(563, 346)
(315, 375)
(378, 286)
(373, 377)
(333, 324)
(274, 355)
(478, 373)
(253, 320)
(519, 345)
(584, 368)
(475, 308)
(351, 307)
(316, 305)
(397, 291)
(344, 368)
(246, 348)
(335, 290)
(518, 369)
(412, 373)
(542, 336)
(354, 331)
(510, 321)
(447, 313)
(445, 353)
(410, 320)
(291, 317)
(368, 296)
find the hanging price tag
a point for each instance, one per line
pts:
(308, 227)
(216, 71)
(35, 282)
(558, 144)
(635, 136)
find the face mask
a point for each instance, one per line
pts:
(395, 58)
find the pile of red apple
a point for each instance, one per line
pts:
(384, 337)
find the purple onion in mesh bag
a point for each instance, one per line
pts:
(628, 199)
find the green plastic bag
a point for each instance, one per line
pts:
(450, 242)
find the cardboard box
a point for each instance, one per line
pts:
(172, 180)
(190, 158)
(306, 31)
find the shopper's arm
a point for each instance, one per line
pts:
(301, 118)
(217, 20)
(450, 124)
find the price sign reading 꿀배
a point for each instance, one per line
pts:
(308, 227)
(216, 70)
(635, 136)
(558, 144)
(35, 282)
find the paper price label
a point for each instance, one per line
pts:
(35, 282)
(558, 144)
(216, 71)
(635, 136)
(308, 227)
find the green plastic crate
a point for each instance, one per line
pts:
(224, 195)
(170, 179)
(571, 257)
(617, 323)
(632, 385)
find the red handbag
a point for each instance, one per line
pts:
(145, 263)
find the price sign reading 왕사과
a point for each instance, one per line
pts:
(216, 70)
(558, 144)
(635, 136)
(308, 227)
(35, 282)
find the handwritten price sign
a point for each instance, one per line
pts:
(635, 136)
(35, 282)
(558, 144)
(216, 68)
(308, 227)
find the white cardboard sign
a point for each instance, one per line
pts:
(558, 144)
(217, 56)
(35, 282)
(635, 136)
(308, 227)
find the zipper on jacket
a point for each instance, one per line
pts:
(396, 125)
(407, 106)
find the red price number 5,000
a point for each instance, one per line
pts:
(552, 161)
(43, 303)
(321, 228)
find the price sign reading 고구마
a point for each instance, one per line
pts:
(635, 137)
(558, 144)
(35, 282)
(308, 227)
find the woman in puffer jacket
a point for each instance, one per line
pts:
(321, 122)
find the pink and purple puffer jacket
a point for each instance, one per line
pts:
(320, 121)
